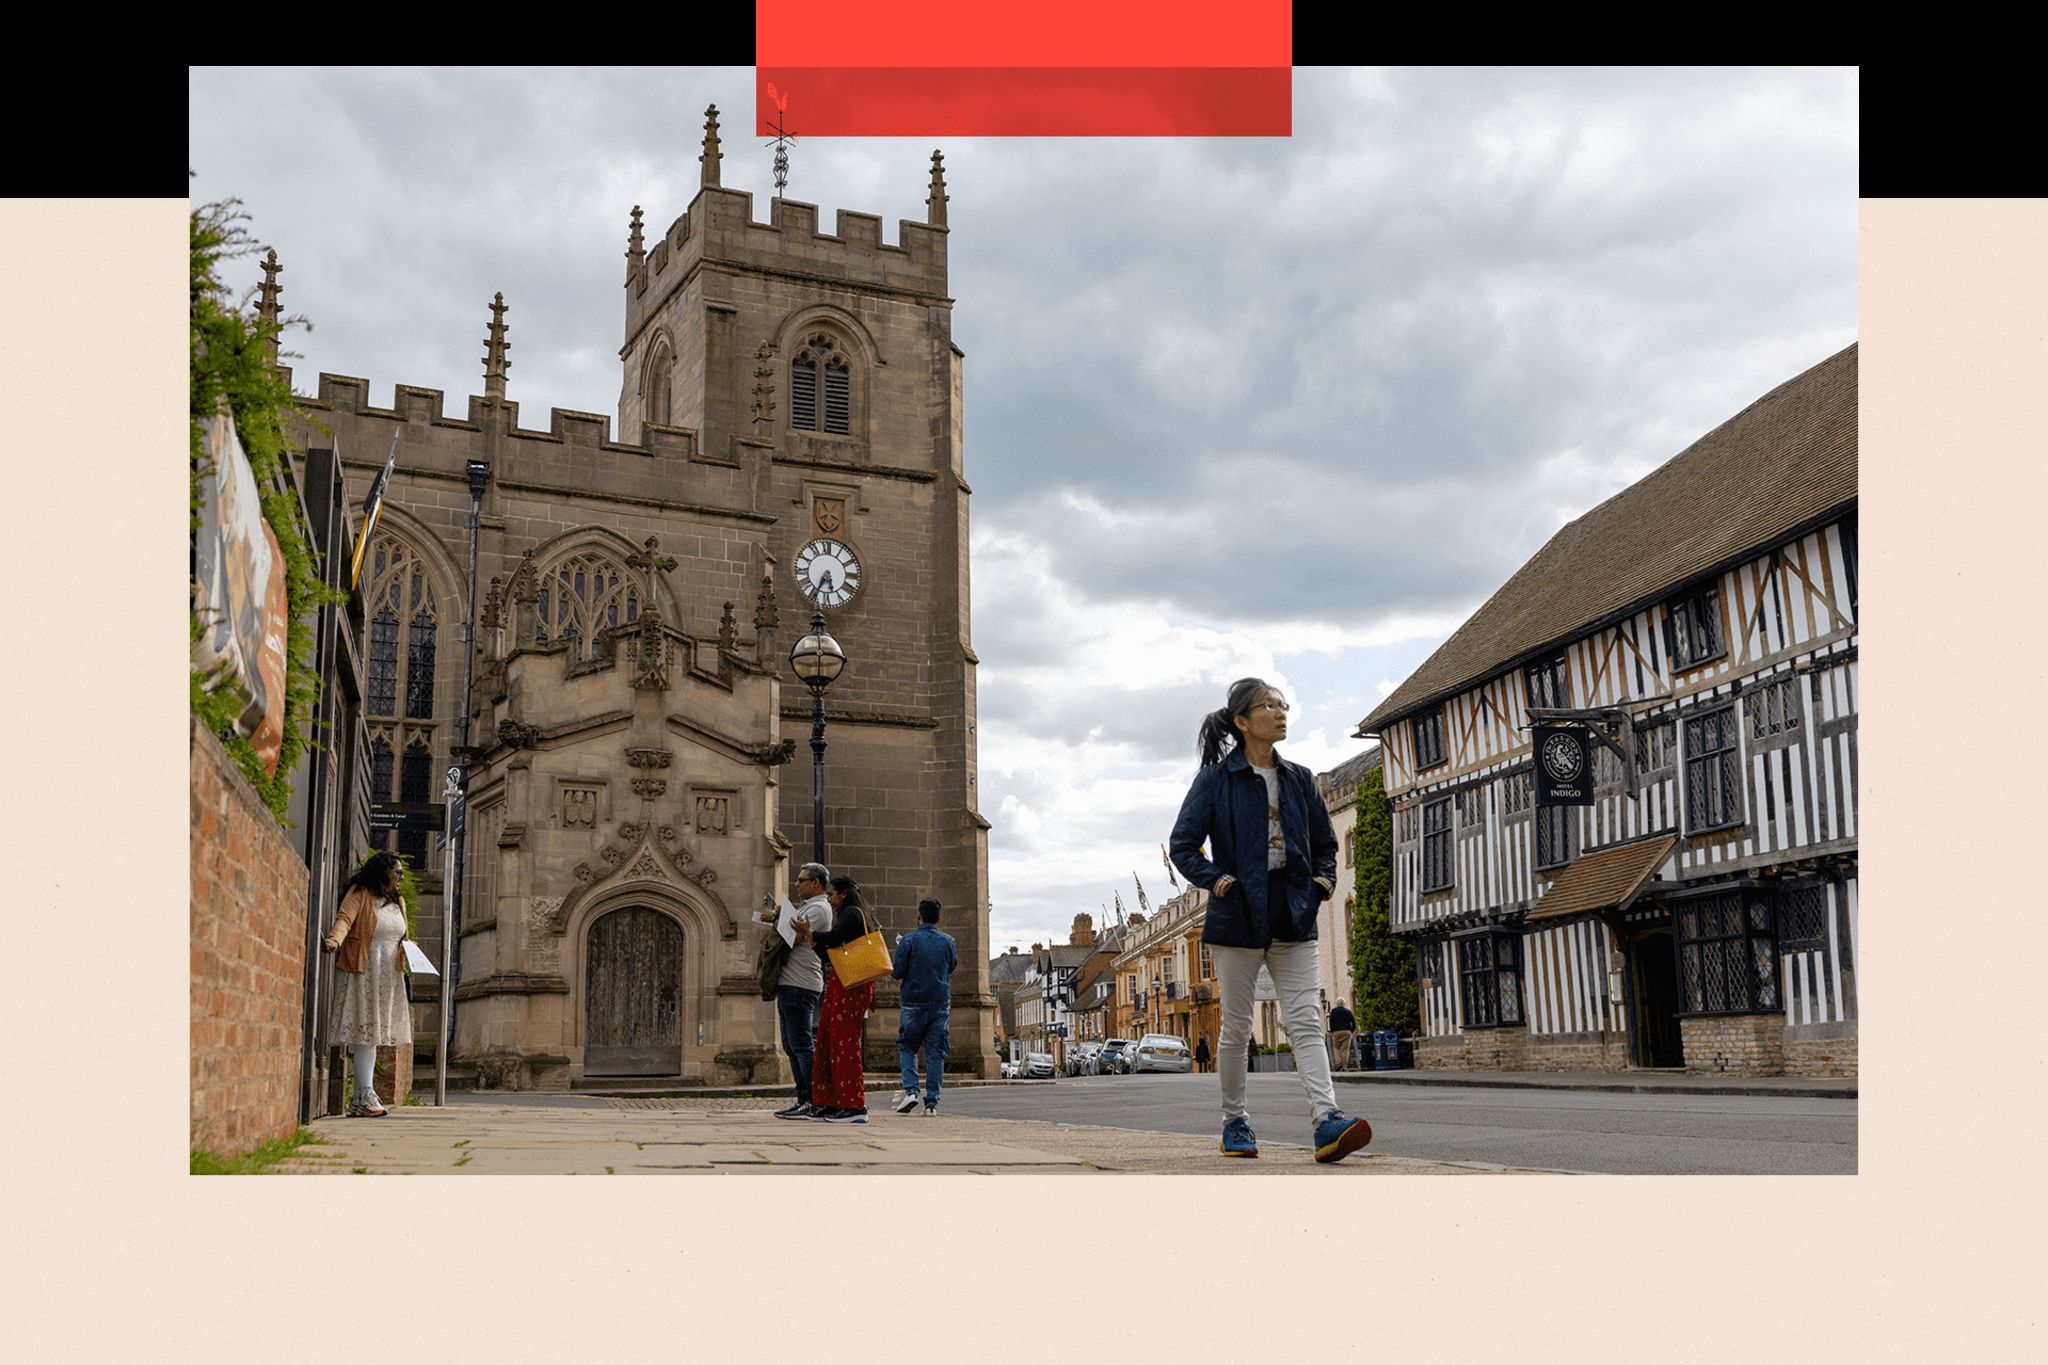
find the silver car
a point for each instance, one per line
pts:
(1161, 1052)
(1038, 1066)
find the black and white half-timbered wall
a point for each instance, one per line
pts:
(1701, 913)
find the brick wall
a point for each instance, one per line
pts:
(1734, 1044)
(248, 960)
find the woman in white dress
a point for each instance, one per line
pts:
(370, 1005)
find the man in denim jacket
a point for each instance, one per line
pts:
(925, 959)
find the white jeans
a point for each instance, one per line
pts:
(366, 1075)
(1293, 967)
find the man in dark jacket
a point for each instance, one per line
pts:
(1342, 1027)
(924, 963)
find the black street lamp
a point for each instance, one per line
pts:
(817, 659)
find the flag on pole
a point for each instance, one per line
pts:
(1169, 867)
(1143, 904)
(1119, 907)
(372, 505)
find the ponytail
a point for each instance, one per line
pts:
(1218, 734)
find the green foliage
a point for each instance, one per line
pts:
(232, 369)
(250, 1163)
(1382, 966)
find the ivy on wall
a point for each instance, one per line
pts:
(233, 368)
(1382, 966)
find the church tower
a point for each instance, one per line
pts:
(638, 768)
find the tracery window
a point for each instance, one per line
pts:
(581, 598)
(819, 371)
(415, 785)
(400, 594)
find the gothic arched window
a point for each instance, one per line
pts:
(583, 596)
(654, 386)
(415, 785)
(400, 592)
(821, 388)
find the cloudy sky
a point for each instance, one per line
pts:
(1287, 407)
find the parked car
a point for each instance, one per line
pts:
(1161, 1052)
(1010, 1071)
(1038, 1065)
(1114, 1059)
(1081, 1061)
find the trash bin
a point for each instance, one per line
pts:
(1386, 1050)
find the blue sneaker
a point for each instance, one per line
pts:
(1339, 1135)
(1238, 1139)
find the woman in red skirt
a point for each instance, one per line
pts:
(838, 1086)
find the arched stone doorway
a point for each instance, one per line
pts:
(633, 994)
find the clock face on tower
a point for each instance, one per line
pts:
(827, 573)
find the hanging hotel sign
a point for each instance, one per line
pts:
(1564, 766)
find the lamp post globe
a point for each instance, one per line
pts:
(816, 660)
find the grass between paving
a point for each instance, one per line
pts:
(255, 1162)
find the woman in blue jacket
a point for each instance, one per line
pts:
(1272, 860)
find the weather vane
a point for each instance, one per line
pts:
(784, 139)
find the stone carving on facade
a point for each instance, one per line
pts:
(771, 755)
(728, 631)
(526, 580)
(829, 514)
(579, 807)
(641, 854)
(764, 385)
(711, 815)
(547, 917)
(649, 758)
(764, 604)
(651, 652)
(517, 734)
(650, 787)
(492, 613)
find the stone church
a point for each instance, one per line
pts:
(639, 764)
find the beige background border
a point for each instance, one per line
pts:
(1933, 1248)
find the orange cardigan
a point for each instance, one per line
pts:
(355, 923)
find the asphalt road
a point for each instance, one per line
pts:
(1561, 1130)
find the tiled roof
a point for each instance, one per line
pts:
(1781, 463)
(1009, 967)
(1342, 781)
(1598, 881)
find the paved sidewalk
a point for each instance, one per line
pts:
(658, 1136)
(1628, 1082)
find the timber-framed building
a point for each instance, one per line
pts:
(1702, 912)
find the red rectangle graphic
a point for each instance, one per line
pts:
(1025, 101)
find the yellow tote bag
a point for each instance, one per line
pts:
(861, 961)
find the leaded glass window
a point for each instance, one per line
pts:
(380, 770)
(581, 598)
(415, 785)
(400, 594)
(1713, 796)
(1429, 738)
(1545, 685)
(1727, 954)
(820, 365)
(1803, 918)
(1773, 708)
(1557, 835)
(1692, 628)
(1489, 970)
(1518, 792)
(1656, 745)
(1436, 845)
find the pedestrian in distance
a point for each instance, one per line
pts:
(1271, 862)
(801, 986)
(924, 961)
(371, 1009)
(838, 1087)
(1343, 1027)
(1202, 1054)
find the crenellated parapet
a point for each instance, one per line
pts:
(411, 404)
(719, 228)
